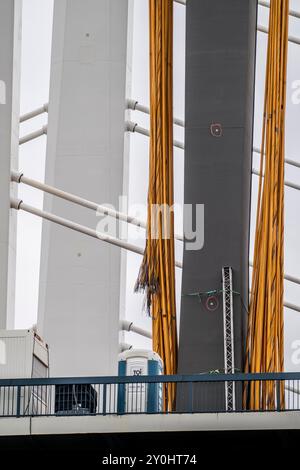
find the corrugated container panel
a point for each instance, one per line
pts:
(41, 352)
(16, 357)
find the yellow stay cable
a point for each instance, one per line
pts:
(157, 272)
(265, 322)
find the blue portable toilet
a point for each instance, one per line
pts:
(140, 397)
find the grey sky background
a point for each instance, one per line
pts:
(36, 55)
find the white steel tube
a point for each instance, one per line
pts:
(292, 39)
(289, 161)
(134, 127)
(20, 205)
(286, 183)
(33, 135)
(136, 106)
(291, 306)
(34, 113)
(287, 277)
(293, 279)
(262, 3)
(126, 325)
(18, 177)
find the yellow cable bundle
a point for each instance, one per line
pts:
(265, 341)
(157, 272)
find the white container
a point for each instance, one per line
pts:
(23, 355)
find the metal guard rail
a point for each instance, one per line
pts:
(71, 396)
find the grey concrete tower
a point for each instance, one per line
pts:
(220, 64)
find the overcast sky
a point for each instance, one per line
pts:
(36, 55)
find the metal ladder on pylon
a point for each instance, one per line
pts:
(228, 336)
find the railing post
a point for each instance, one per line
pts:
(278, 395)
(191, 397)
(18, 401)
(104, 400)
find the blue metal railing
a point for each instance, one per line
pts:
(142, 394)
